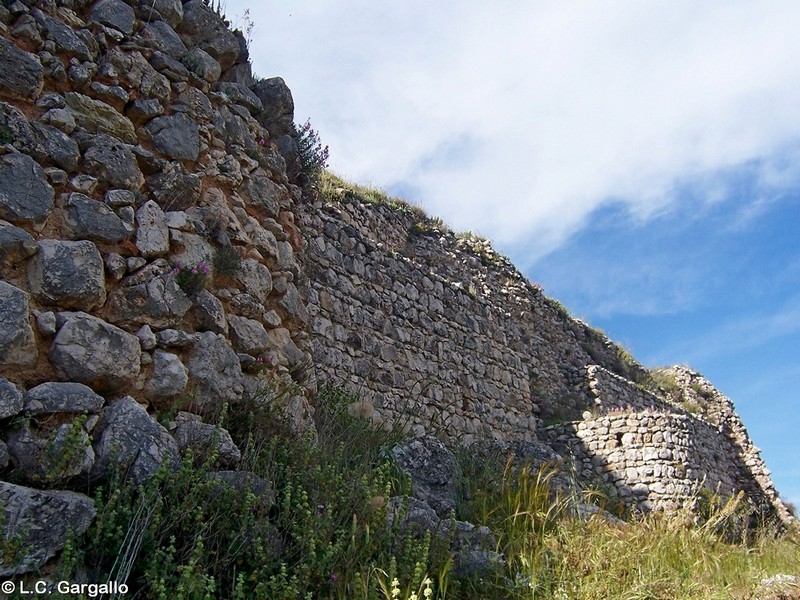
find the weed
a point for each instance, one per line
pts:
(227, 262)
(191, 279)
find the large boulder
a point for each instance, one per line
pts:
(21, 73)
(203, 438)
(42, 522)
(65, 40)
(160, 302)
(129, 439)
(432, 468)
(98, 117)
(68, 274)
(15, 244)
(169, 378)
(17, 344)
(170, 11)
(204, 28)
(10, 399)
(277, 114)
(164, 38)
(248, 335)
(62, 397)
(90, 351)
(175, 189)
(175, 135)
(114, 13)
(113, 164)
(152, 233)
(25, 195)
(215, 370)
(48, 457)
(256, 279)
(88, 219)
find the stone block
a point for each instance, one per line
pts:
(68, 274)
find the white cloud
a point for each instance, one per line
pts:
(519, 119)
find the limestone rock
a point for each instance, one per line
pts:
(93, 220)
(202, 27)
(176, 136)
(160, 302)
(278, 106)
(280, 341)
(292, 307)
(141, 111)
(131, 440)
(66, 41)
(44, 520)
(98, 117)
(152, 233)
(432, 468)
(259, 190)
(256, 279)
(195, 249)
(113, 164)
(113, 13)
(17, 345)
(53, 147)
(169, 379)
(208, 313)
(10, 399)
(48, 457)
(164, 38)
(215, 369)
(175, 189)
(25, 195)
(192, 433)
(62, 397)
(240, 94)
(202, 64)
(248, 336)
(21, 73)
(90, 351)
(134, 71)
(68, 274)
(15, 244)
(171, 11)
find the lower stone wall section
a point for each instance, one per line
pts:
(655, 460)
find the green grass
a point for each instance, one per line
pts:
(332, 188)
(324, 534)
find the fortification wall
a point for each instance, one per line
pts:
(148, 252)
(439, 327)
(654, 454)
(135, 151)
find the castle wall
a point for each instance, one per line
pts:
(432, 330)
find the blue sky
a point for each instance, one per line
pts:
(639, 160)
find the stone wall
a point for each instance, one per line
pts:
(150, 264)
(147, 243)
(439, 328)
(439, 331)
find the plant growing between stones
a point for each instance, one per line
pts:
(227, 262)
(191, 278)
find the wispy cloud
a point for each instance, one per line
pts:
(737, 335)
(519, 120)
